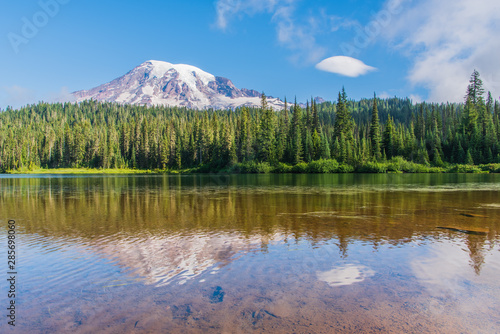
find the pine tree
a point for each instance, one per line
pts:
(68, 147)
(245, 143)
(266, 138)
(233, 158)
(475, 89)
(468, 159)
(308, 147)
(490, 104)
(285, 114)
(263, 102)
(375, 131)
(388, 138)
(282, 135)
(343, 119)
(325, 147)
(296, 135)
(422, 155)
(470, 118)
(307, 119)
(497, 110)
(124, 141)
(490, 136)
(461, 153)
(420, 124)
(203, 138)
(316, 145)
(315, 117)
(437, 161)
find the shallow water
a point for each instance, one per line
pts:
(255, 253)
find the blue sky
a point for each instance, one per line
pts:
(423, 49)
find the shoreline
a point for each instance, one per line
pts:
(264, 168)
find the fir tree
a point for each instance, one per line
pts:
(468, 159)
(388, 138)
(296, 135)
(325, 147)
(266, 138)
(375, 131)
(316, 145)
(315, 117)
(475, 89)
(343, 119)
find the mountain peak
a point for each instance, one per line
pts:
(162, 67)
(157, 82)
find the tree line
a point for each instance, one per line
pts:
(109, 135)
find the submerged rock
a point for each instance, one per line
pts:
(473, 215)
(468, 230)
(257, 316)
(181, 312)
(217, 295)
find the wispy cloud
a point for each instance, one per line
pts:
(447, 40)
(63, 95)
(299, 36)
(415, 98)
(347, 66)
(227, 9)
(16, 96)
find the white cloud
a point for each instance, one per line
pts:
(298, 37)
(344, 65)
(447, 40)
(227, 9)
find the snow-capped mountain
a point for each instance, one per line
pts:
(161, 83)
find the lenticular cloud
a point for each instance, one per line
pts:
(343, 65)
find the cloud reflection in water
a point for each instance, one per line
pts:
(345, 275)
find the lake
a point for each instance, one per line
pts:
(254, 253)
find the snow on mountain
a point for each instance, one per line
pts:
(161, 83)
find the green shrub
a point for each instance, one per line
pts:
(372, 167)
(301, 167)
(282, 168)
(426, 169)
(465, 169)
(490, 168)
(323, 166)
(344, 168)
(252, 167)
(398, 164)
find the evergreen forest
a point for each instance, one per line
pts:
(370, 135)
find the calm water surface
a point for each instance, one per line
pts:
(254, 253)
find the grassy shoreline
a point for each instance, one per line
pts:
(394, 165)
(79, 171)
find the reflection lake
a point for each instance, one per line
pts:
(254, 253)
